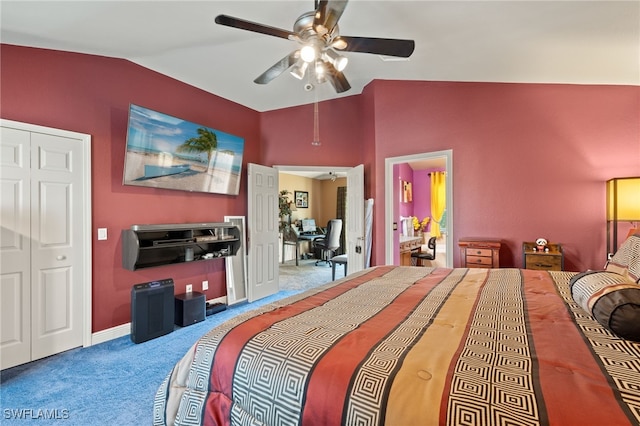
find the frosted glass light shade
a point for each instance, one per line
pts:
(623, 199)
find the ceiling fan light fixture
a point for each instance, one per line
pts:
(320, 69)
(299, 70)
(338, 43)
(337, 60)
(341, 63)
(320, 43)
(308, 53)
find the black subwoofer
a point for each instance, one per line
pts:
(189, 308)
(151, 310)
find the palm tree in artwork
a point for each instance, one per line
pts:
(207, 141)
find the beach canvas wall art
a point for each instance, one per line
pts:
(168, 152)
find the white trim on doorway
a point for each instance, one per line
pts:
(447, 156)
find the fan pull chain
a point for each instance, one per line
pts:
(316, 124)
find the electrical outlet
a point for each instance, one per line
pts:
(189, 288)
(205, 285)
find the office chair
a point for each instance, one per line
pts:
(331, 241)
(421, 256)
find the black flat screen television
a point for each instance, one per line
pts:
(172, 153)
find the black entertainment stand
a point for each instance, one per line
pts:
(145, 246)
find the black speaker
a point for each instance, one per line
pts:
(151, 310)
(189, 308)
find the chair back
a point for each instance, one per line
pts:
(432, 245)
(334, 229)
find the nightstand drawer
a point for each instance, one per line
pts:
(543, 262)
(478, 252)
(484, 262)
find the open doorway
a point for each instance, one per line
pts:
(333, 193)
(440, 161)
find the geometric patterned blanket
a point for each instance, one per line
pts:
(396, 345)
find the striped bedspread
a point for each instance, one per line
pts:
(411, 346)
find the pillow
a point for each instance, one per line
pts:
(612, 299)
(626, 261)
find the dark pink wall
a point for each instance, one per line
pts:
(286, 135)
(91, 94)
(529, 160)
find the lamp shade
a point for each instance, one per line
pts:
(623, 199)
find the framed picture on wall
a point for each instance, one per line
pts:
(171, 153)
(302, 199)
(407, 192)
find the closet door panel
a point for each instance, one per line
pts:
(57, 288)
(15, 248)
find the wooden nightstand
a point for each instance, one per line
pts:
(552, 260)
(479, 252)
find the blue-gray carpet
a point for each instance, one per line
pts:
(114, 383)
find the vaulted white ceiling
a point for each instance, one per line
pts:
(580, 42)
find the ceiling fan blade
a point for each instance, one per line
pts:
(278, 68)
(336, 78)
(242, 24)
(378, 46)
(327, 15)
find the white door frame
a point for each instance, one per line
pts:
(85, 222)
(322, 169)
(388, 196)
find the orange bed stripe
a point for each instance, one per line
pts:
(409, 397)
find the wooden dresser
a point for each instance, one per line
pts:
(551, 260)
(480, 252)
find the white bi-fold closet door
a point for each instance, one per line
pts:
(45, 187)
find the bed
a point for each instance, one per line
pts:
(402, 345)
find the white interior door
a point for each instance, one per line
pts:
(57, 244)
(355, 219)
(15, 284)
(262, 232)
(44, 222)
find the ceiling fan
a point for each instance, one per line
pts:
(320, 42)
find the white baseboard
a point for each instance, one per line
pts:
(111, 333)
(221, 299)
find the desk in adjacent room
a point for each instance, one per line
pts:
(292, 238)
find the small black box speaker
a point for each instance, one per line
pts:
(151, 310)
(189, 308)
